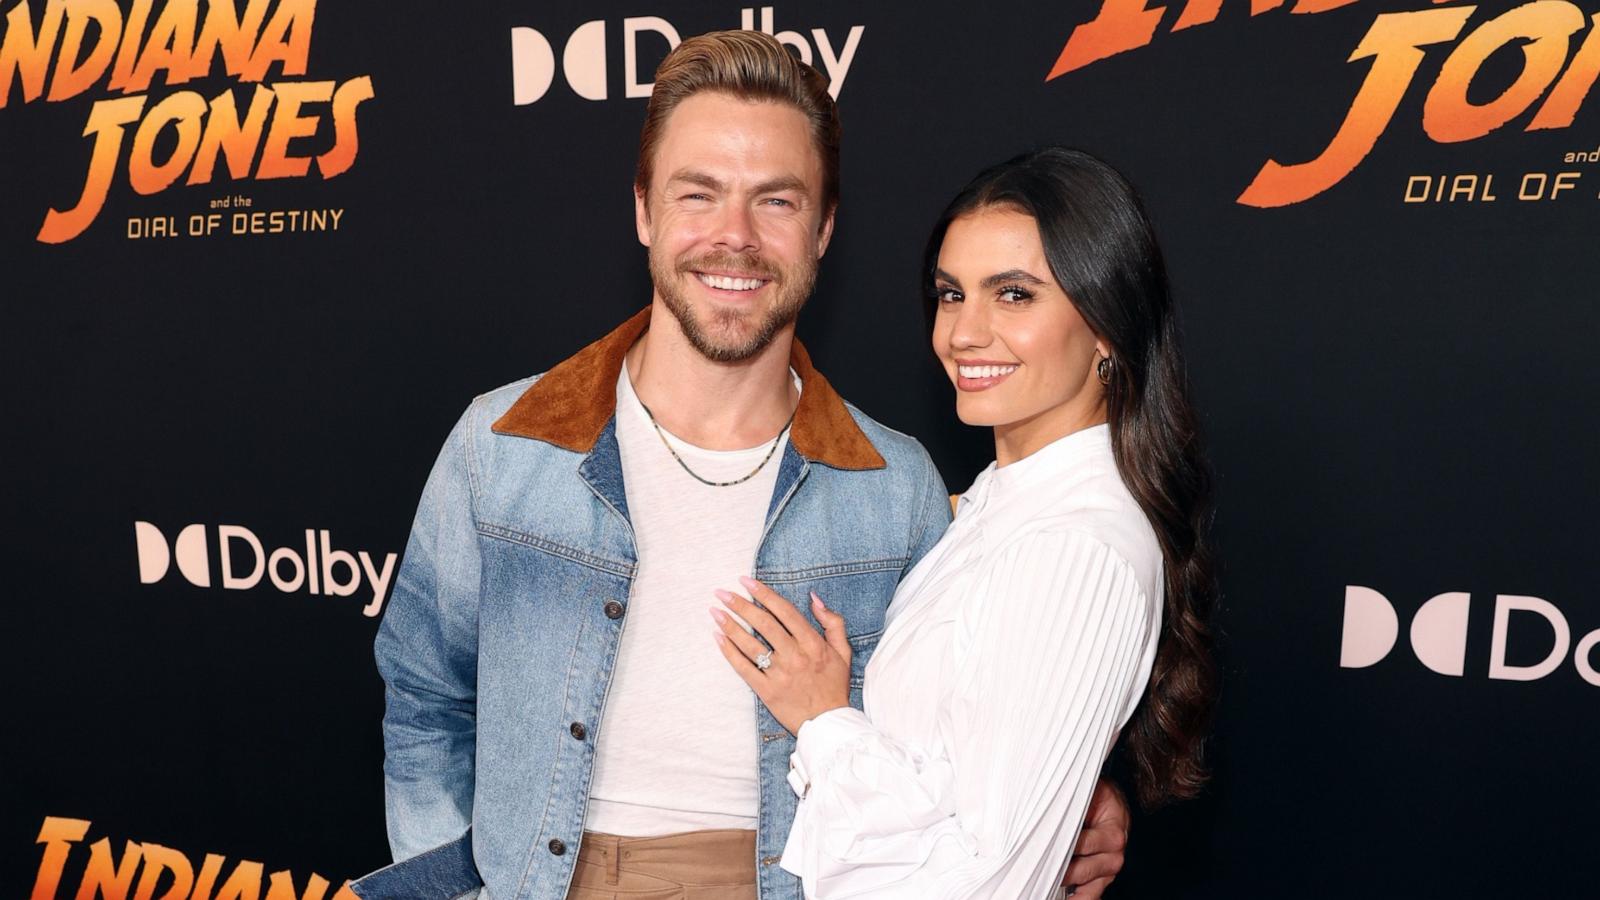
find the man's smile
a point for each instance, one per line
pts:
(723, 282)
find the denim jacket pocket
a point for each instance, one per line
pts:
(861, 647)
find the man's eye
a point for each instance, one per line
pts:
(778, 201)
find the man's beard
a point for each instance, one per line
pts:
(728, 335)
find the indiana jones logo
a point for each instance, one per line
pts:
(1397, 44)
(77, 45)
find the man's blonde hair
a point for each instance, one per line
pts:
(748, 65)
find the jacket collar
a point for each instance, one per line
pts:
(570, 406)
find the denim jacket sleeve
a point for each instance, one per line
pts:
(427, 653)
(931, 515)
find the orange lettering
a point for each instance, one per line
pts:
(1315, 6)
(132, 30)
(286, 39)
(159, 859)
(1447, 115)
(110, 878)
(210, 868)
(235, 37)
(225, 132)
(281, 887)
(106, 121)
(26, 54)
(243, 884)
(1122, 25)
(1199, 12)
(346, 142)
(1394, 42)
(170, 45)
(288, 124)
(187, 109)
(1562, 104)
(69, 81)
(57, 836)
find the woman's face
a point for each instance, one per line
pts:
(1021, 357)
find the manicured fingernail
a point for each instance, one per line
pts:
(818, 601)
(725, 597)
(719, 615)
(721, 638)
(748, 582)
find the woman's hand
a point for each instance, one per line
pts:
(807, 673)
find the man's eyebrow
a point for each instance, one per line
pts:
(1010, 276)
(712, 183)
(698, 178)
(781, 183)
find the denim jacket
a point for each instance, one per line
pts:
(501, 636)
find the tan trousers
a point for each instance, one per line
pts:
(696, 865)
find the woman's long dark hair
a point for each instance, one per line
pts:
(1103, 252)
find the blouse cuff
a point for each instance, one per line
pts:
(818, 743)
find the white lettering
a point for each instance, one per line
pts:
(1503, 605)
(225, 536)
(154, 557)
(311, 559)
(1580, 657)
(584, 60)
(288, 586)
(379, 582)
(533, 66)
(838, 66)
(330, 585)
(1439, 633)
(193, 559)
(631, 27)
(1370, 628)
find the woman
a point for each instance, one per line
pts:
(1074, 580)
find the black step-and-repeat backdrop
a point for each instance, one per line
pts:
(256, 256)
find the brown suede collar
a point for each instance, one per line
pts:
(572, 403)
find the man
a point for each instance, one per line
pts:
(559, 720)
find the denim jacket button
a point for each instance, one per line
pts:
(578, 731)
(557, 846)
(613, 609)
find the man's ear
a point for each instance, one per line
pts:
(641, 215)
(825, 233)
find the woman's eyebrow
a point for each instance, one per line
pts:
(1012, 275)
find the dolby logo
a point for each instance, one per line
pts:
(1439, 634)
(583, 55)
(317, 567)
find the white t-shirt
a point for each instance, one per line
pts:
(677, 745)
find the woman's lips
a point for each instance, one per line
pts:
(980, 375)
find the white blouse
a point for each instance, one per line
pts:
(1012, 655)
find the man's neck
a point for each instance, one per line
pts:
(714, 405)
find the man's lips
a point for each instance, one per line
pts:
(982, 374)
(732, 282)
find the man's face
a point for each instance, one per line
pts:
(734, 221)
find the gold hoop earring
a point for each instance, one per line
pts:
(1103, 370)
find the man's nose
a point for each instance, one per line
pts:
(736, 230)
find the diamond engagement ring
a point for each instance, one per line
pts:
(764, 661)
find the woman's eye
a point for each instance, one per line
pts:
(1015, 295)
(948, 295)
